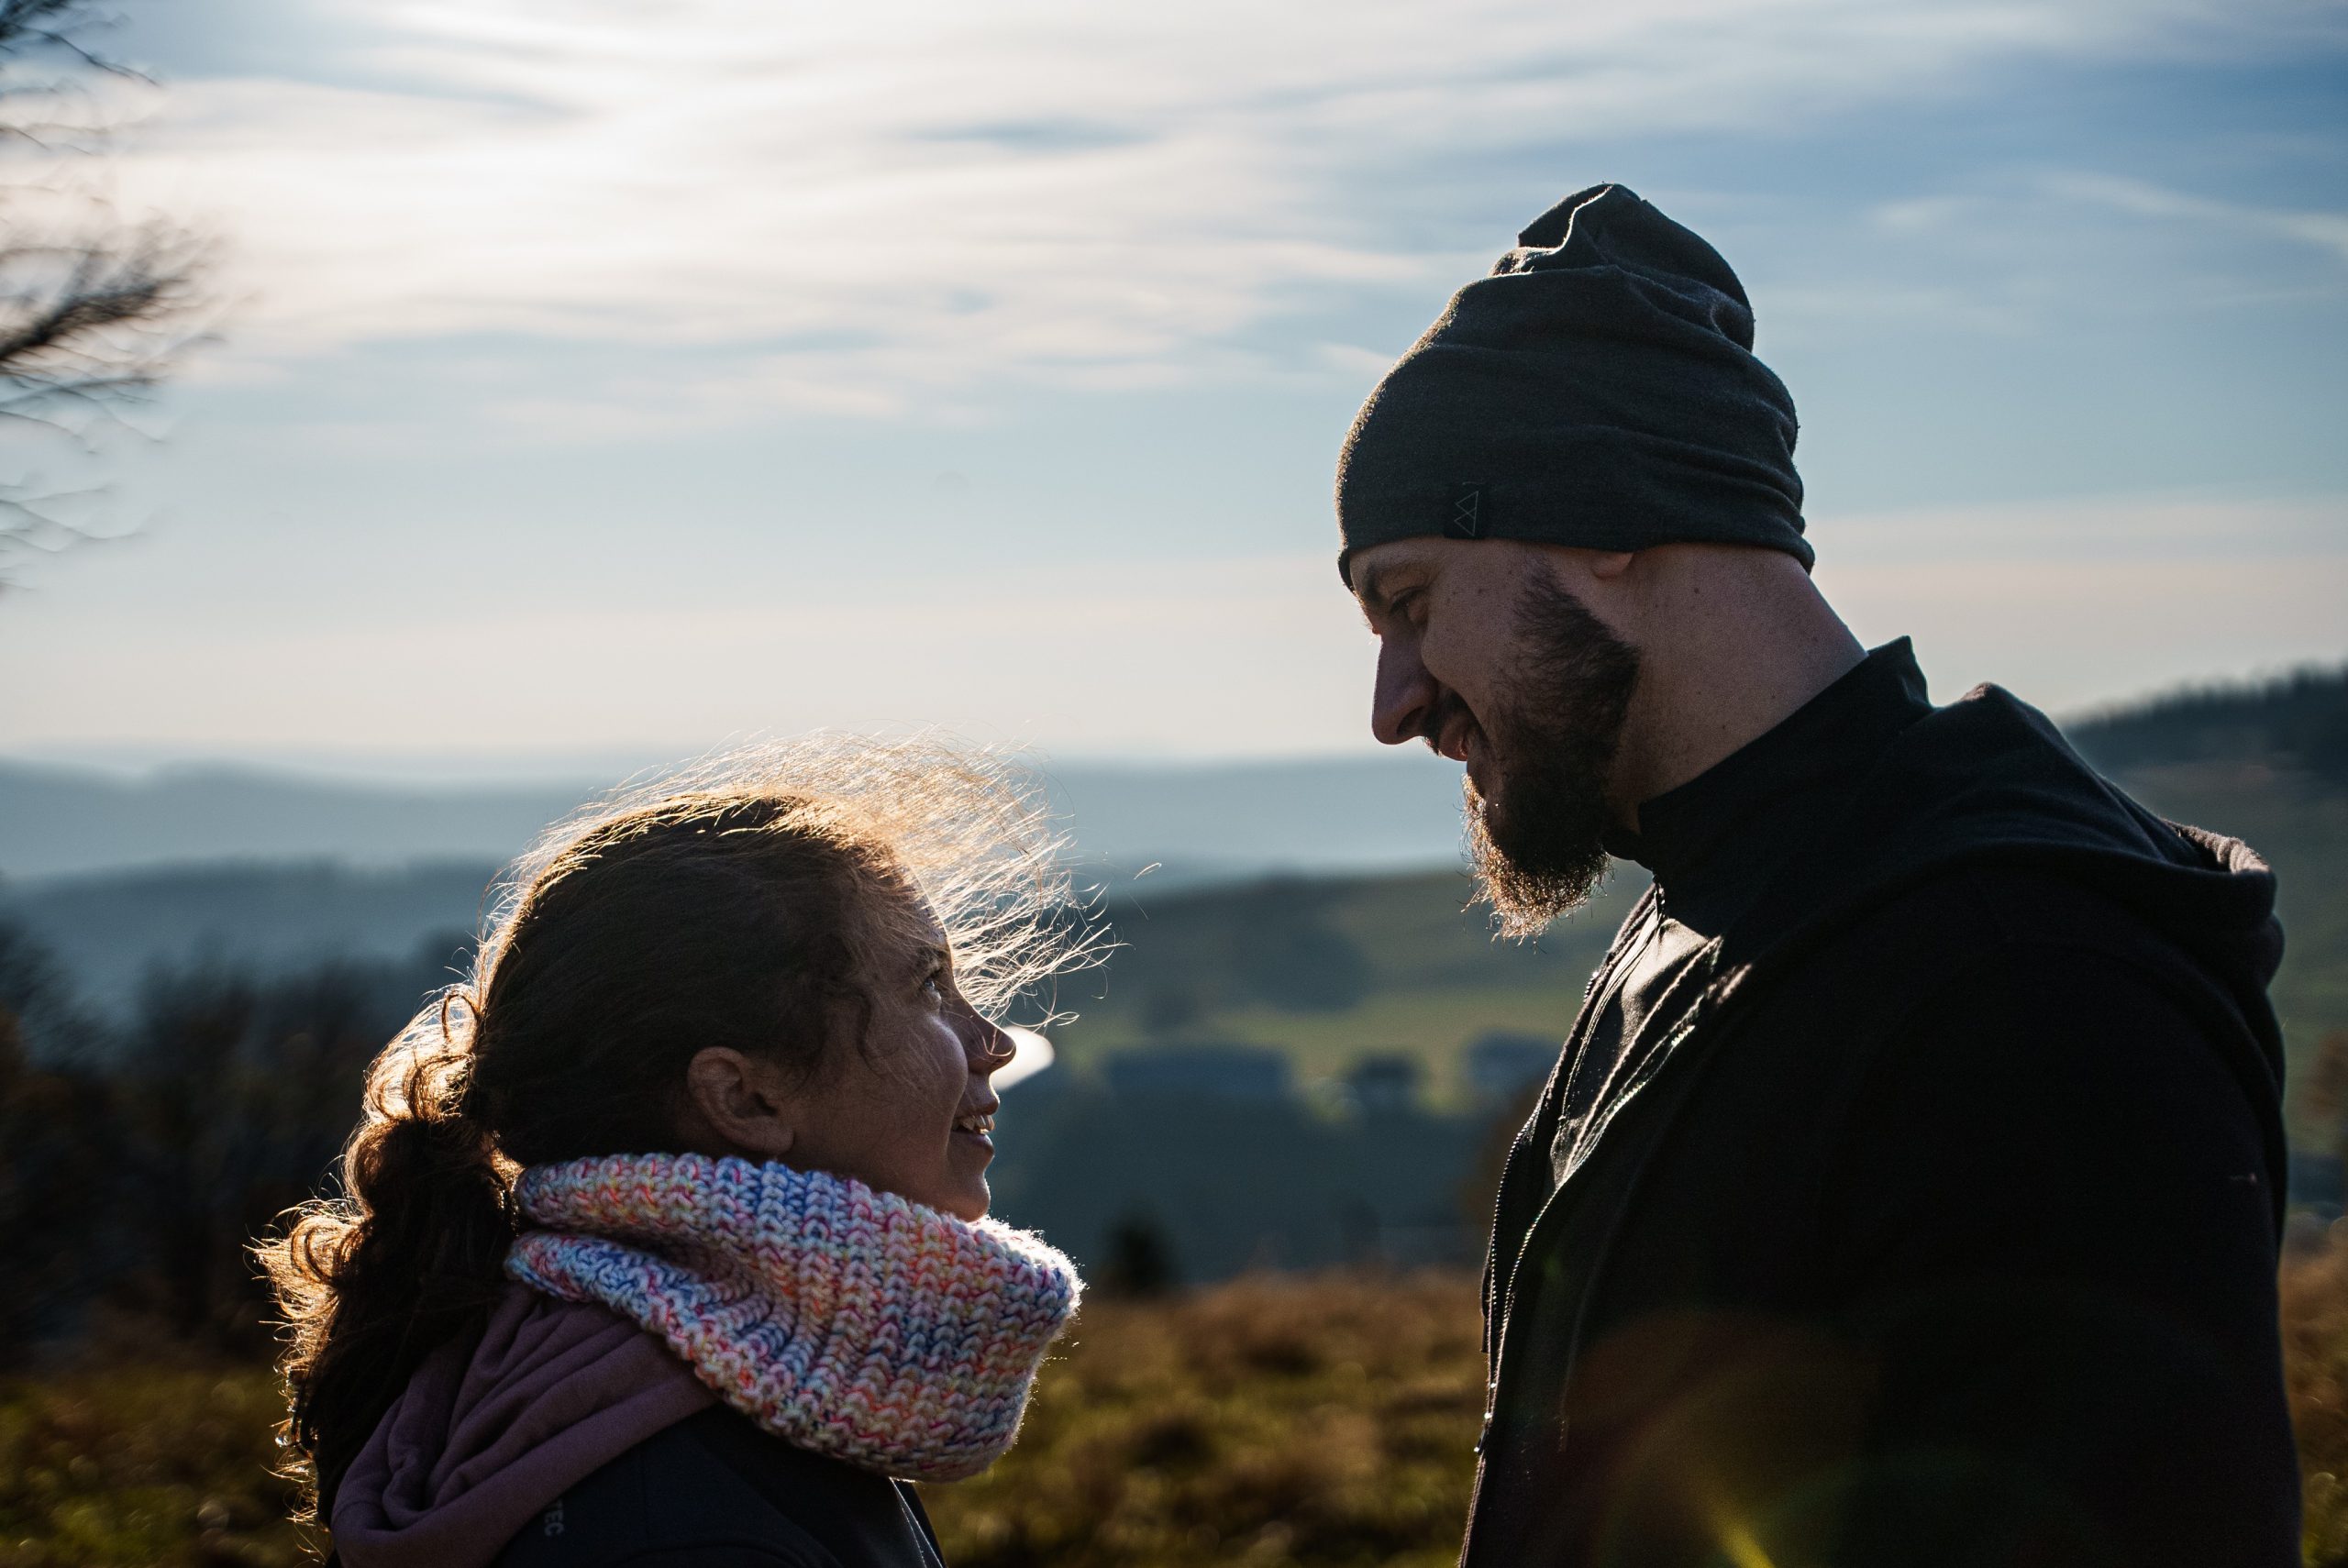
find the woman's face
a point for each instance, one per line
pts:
(911, 1112)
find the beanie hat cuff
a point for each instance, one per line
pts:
(1600, 489)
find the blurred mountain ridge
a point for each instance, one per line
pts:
(1344, 871)
(1392, 809)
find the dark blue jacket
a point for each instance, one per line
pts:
(715, 1492)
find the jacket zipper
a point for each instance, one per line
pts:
(1497, 1311)
(1495, 1307)
(921, 1537)
(1493, 1325)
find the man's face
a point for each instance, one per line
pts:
(1487, 654)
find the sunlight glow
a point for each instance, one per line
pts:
(925, 194)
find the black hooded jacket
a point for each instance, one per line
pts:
(1926, 1213)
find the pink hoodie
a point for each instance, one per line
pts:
(488, 1434)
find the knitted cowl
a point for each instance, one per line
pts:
(848, 1321)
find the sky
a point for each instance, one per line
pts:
(594, 380)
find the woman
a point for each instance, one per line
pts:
(662, 1239)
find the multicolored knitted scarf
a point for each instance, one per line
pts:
(851, 1322)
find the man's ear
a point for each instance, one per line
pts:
(742, 1103)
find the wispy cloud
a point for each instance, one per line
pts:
(1941, 213)
(893, 204)
(2326, 231)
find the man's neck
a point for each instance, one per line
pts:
(1739, 656)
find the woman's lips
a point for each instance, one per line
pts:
(976, 1127)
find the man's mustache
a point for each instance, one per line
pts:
(1447, 707)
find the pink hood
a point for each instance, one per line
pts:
(488, 1434)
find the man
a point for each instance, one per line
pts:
(1908, 1190)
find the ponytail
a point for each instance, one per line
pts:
(410, 1255)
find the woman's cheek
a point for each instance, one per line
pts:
(933, 1093)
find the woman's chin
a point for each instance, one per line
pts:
(962, 1189)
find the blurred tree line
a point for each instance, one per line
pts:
(139, 1155)
(141, 1152)
(1272, 942)
(2297, 723)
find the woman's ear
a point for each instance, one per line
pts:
(741, 1104)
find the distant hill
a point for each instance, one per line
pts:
(71, 822)
(2296, 723)
(1398, 808)
(1209, 820)
(1326, 962)
(107, 930)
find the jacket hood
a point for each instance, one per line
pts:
(1989, 781)
(490, 1432)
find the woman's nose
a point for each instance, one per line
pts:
(990, 1048)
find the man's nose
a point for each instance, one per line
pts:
(1398, 709)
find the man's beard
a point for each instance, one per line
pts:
(1538, 848)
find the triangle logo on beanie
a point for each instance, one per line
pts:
(1464, 519)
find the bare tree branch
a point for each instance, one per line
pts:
(95, 312)
(31, 28)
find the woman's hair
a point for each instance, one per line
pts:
(737, 903)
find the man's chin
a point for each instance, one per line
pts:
(1496, 822)
(1527, 885)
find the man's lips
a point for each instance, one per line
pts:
(1453, 739)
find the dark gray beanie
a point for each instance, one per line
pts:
(1599, 389)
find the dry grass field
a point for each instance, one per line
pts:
(162, 1464)
(1273, 1421)
(2315, 1363)
(1321, 1421)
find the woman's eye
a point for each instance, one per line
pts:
(934, 984)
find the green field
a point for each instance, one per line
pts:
(1328, 970)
